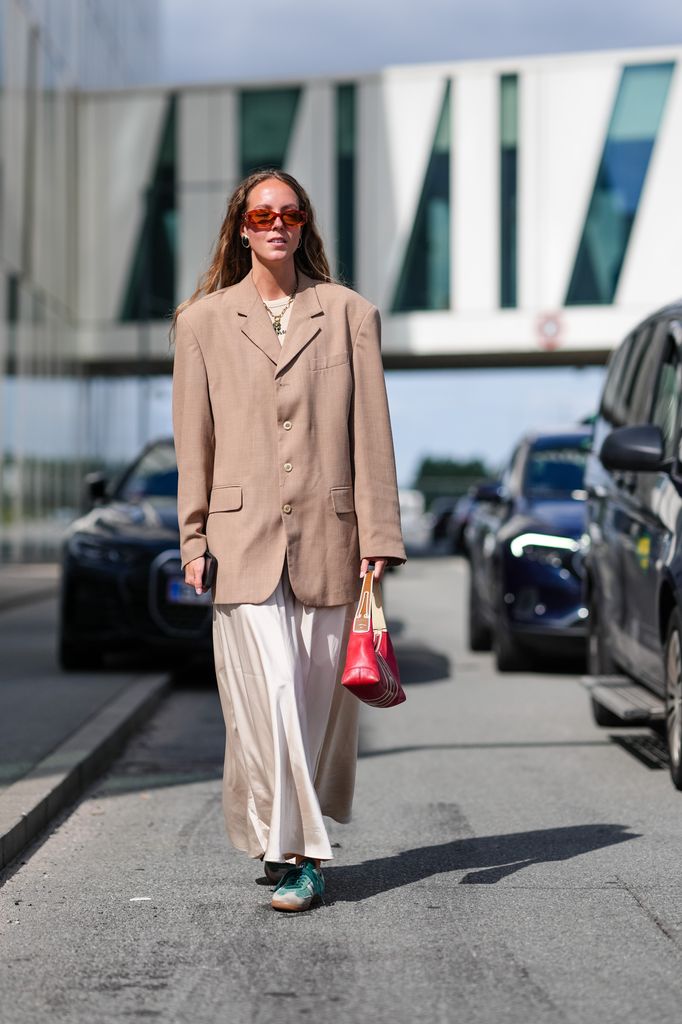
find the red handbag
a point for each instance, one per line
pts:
(371, 670)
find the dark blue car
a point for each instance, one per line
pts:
(122, 585)
(525, 541)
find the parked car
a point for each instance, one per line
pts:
(455, 532)
(441, 512)
(122, 586)
(525, 540)
(634, 564)
(415, 521)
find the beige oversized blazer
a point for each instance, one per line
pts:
(284, 450)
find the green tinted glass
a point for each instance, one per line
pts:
(424, 281)
(266, 119)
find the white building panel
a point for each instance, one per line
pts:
(574, 107)
(208, 171)
(474, 191)
(408, 110)
(119, 141)
(310, 156)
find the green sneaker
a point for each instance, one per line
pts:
(299, 888)
(275, 870)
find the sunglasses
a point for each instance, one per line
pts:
(264, 218)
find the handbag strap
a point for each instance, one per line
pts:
(378, 618)
(369, 613)
(362, 623)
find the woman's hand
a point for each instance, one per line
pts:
(379, 566)
(194, 572)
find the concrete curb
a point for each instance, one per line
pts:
(28, 806)
(10, 603)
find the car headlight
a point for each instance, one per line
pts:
(94, 551)
(558, 552)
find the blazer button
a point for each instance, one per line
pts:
(288, 467)
(287, 424)
(286, 509)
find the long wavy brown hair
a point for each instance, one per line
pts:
(231, 261)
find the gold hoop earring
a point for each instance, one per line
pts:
(245, 242)
(300, 242)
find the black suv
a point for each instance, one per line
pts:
(633, 566)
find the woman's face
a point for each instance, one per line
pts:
(278, 243)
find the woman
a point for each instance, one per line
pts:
(287, 476)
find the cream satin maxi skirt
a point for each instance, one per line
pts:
(292, 729)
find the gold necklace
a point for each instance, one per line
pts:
(277, 317)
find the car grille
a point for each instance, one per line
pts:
(172, 618)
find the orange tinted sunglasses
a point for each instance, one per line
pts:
(261, 217)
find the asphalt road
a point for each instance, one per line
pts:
(507, 862)
(40, 705)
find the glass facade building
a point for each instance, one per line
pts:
(49, 50)
(461, 199)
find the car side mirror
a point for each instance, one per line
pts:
(489, 491)
(638, 449)
(95, 487)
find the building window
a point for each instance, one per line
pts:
(509, 94)
(424, 281)
(345, 183)
(150, 293)
(266, 118)
(620, 179)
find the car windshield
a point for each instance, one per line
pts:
(556, 472)
(154, 476)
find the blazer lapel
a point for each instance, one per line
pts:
(255, 320)
(304, 323)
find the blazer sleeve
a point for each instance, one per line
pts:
(194, 440)
(375, 485)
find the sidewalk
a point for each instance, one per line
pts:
(58, 729)
(22, 584)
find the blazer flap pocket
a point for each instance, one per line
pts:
(333, 359)
(225, 499)
(342, 499)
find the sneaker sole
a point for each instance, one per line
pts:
(288, 908)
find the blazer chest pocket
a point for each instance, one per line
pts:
(342, 499)
(333, 359)
(225, 498)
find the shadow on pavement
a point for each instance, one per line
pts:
(488, 859)
(418, 663)
(494, 745)
(421, 664)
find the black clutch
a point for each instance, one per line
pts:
(210, 569)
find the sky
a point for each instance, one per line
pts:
(221, 40)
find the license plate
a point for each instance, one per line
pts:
(177, 592)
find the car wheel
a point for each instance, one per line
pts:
(510, 655)
(479, 632)
(673, 697)
(76, 657)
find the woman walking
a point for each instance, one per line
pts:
(287, 477)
